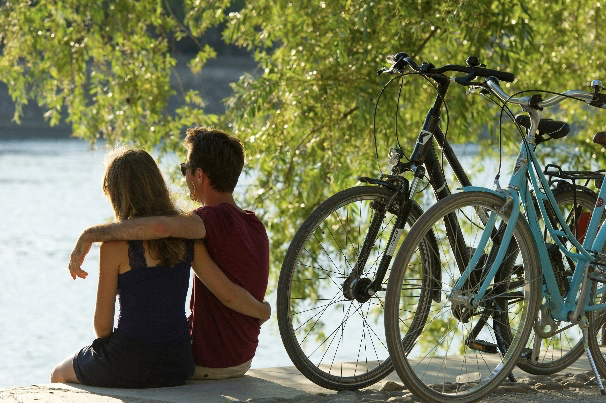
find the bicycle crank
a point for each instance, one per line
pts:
(545, 326)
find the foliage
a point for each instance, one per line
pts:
(306, 115)
(107, 63)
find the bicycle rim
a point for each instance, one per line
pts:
(459, 353)
(596, 336)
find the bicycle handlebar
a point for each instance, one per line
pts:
(592, 98)
(475, 69)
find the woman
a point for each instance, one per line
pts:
(150, 346)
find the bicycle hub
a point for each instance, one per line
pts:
(355, 288)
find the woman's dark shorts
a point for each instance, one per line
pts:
(122, 362)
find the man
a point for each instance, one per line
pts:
(223, 341)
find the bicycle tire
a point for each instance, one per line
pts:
(563, 349)
(596, 336)
(438, 367)
(318, 325)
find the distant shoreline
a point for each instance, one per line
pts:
(213, 83)
(29, 133)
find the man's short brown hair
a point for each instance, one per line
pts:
(218, 154)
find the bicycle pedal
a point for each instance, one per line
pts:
(526, 355)
(483, 346)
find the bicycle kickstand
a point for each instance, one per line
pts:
(584, 324)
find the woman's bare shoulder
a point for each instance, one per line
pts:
(114, 253)
(114, 247)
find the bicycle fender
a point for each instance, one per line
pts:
(482, 189)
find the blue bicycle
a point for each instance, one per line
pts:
(519, 267)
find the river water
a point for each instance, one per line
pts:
(50, 190)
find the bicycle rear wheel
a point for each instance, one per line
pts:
(460, 353)
(553, 353)
(332, 332)
(596, 336)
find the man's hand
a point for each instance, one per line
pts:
(143, 228)
(262, 321)
(77, 258)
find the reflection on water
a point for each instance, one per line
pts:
(49, 191)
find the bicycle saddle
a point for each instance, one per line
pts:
(600, 138)
(548, 128)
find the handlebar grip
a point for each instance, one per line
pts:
(501, 75)
(400, 60)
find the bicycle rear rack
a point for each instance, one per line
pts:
(555, 171)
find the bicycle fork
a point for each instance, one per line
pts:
(362, 289)
(474, 301)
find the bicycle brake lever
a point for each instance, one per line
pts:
(472, 89)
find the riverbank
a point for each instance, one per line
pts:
(286, 384)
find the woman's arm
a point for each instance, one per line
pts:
(231, 295)
(111, 253)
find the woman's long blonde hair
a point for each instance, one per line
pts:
(136, 188)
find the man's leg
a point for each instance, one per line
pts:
(204, 373)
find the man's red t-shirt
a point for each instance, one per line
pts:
(238, 243)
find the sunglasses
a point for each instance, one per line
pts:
(184, 166)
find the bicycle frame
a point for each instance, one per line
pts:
(569, 308)
(422, 156)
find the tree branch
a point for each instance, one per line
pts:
(304, 139)
(420, 48)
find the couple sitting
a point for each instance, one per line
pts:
(145, 260)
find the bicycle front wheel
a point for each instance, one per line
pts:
(460, 352)
(331, 330)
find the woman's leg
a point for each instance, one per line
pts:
(64, 372)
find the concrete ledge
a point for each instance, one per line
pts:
(273, 384)
(286, 382)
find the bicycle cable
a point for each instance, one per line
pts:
(533, 159)
(447, 125)
(511, 116)
(397, 114)
(400, 76)
(374, 117)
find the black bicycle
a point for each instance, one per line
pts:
(333, 279)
